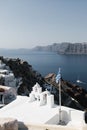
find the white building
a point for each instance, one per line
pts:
(7, 94)
(2, 65)
(7, 75)
(44, 98)
(38, 112)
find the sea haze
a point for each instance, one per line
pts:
(73, 67)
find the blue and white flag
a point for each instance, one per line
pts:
(58, 77)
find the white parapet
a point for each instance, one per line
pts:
(77, 118)
(43, 99)
(50, 100)
(31, 97)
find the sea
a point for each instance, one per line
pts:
(73, 67)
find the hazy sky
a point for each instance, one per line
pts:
(28, 23)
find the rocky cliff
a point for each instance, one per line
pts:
(72, 94)
(65, 48)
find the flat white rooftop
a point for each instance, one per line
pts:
(30, 112)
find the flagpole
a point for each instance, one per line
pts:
(58, 80)
(60, 102)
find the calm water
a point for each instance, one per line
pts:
(73, 67)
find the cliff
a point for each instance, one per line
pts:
(72, 94)
(64, 48)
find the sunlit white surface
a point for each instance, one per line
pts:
(30, 112)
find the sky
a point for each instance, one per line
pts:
(29, 23)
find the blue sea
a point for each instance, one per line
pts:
(73, 67)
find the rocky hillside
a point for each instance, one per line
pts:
(65, 48)
(22, 69)
(72, 94)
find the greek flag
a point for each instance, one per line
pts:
(58, 77)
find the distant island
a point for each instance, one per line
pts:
(60, 48)
(64, 48)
